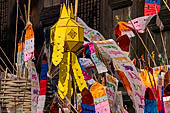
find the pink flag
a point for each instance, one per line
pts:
(140, 23)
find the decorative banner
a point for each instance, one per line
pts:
(126, 65)
(29, 44)
(111, 90)
(150, 5)
(89, 33)
(98, 63)
(34, 88)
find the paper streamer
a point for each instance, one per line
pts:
(64, 78)
(29, 44)
(34, 88)
(126, 65)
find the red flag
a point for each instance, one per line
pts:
(123, 42)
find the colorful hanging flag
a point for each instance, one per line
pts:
(125, 65)
(29, 44)
(123, 29)
(123, 42)
(159, 23)
(151, 6)
(43, 85)
(140, 23)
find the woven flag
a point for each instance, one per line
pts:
(151, 6)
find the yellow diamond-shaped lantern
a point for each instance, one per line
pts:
(69, 30)
(66, 37)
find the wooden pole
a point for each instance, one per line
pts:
(16, 32)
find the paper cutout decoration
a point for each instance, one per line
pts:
(29, 44)
(89, 33)
(150, 102)
(67, 37)
(151, 6)
(123, 62)
(123, 42)
(122, 29)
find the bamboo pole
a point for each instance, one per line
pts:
(166, 5)
(163, 42)
(5, 65)
(76, 8)
(16, 32)
(7, 58)
(152, 40)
